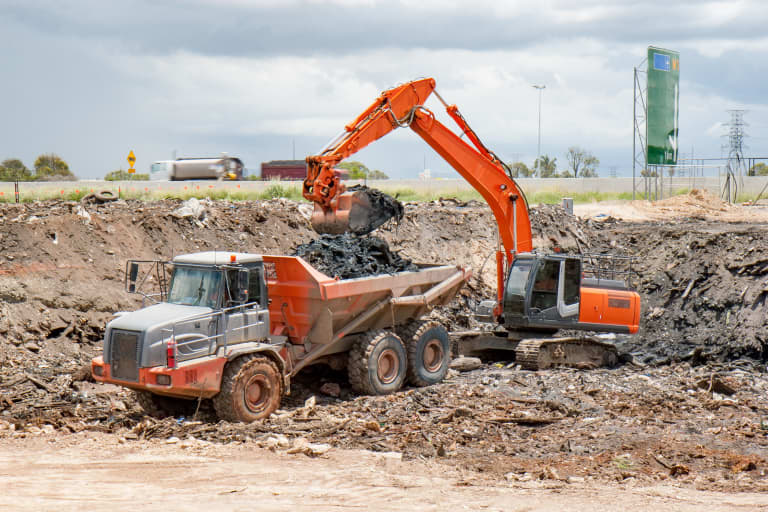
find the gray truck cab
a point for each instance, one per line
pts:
(213, 300)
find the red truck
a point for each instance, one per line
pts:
(237, 327)
(291, 170)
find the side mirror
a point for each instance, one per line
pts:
(242, 285)
(133, 274)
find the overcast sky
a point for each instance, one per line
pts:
(91, 80)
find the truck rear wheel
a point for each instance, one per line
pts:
(429, 352)
(377, 363)
(251, 389)
(158, 405)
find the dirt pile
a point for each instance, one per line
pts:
(703, 286)
(350, 256)
(704, 291)
(496, 423)
(695, 204)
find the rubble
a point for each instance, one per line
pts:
(466, 364)
(383, 209)
(695, 397)
(349, 256)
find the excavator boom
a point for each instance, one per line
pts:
(339, 211)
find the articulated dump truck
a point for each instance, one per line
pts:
(236, 328)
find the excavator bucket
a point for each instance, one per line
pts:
(359, 210)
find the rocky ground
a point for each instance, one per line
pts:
(691, 409)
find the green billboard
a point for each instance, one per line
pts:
(663, 101)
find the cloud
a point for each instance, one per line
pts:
(89, 79)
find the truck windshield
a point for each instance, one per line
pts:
(159, 167)
(192, 286)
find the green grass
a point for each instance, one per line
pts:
(744, 198)
(293, 192)
(544, 196)
(624, 463)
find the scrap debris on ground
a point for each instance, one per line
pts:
(692, 408)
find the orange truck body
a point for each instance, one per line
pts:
(313, 318)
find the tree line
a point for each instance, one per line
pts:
(48, 167)
(580, 164)
(358, 171)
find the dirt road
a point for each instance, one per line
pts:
(87, 471)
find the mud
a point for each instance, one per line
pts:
(349, 256)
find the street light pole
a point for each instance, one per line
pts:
(538, 147)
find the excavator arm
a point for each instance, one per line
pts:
(337, 211)
(400, 107)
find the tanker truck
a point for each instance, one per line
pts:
(221, 168)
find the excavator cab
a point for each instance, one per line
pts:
(551, 292)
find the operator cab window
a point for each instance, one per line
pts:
(544, 295)
(254, 285)
(572, 278)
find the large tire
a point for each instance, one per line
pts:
(429, 352)
(158, 405)
(377, 363)
(251, 389)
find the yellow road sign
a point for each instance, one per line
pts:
(131, 158)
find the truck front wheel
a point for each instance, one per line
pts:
(251, 389)
(429, 352)
(377, 363)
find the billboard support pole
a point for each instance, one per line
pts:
(639, 115)
(634, 130)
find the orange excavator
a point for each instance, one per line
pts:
(537, 294)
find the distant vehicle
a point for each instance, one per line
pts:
(221, 168)
(291, 170)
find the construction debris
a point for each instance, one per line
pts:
(349, 256)
(695, 396)
(466, 364)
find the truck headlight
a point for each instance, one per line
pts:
(98, 371)
(164, 380)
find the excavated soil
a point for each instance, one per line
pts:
(349, 256)
(692, 407)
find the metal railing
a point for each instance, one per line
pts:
(607, 266)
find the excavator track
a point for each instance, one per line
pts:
(576, 352)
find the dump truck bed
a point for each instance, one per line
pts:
(309, 306)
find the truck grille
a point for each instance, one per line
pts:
(124, 355)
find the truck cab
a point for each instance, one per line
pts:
(213, 301)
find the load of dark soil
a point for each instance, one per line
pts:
(383, 209)
(349, 256)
